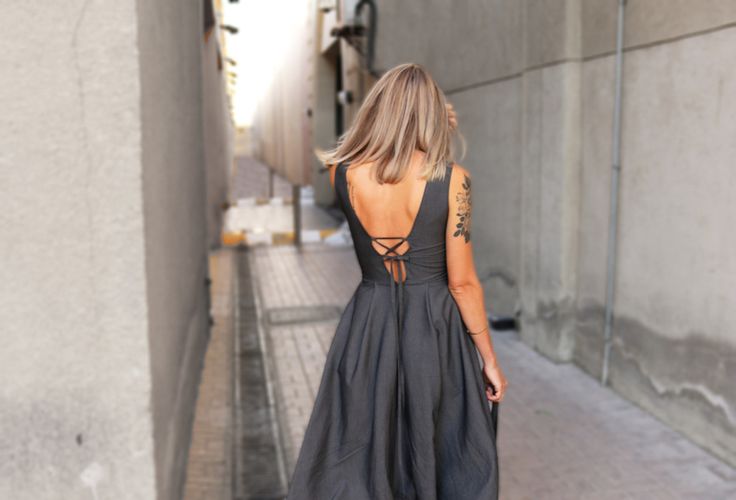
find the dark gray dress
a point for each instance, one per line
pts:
(401, 411)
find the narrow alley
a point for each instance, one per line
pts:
(176, 260)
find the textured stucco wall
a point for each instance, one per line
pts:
(650, 22)
(550, 174)
(533, 86)
(104, 303)
(675, 348)
(324, 124)
(219, 137)
(75, 417)
(462, 43)
(174, 200)
(550, 201)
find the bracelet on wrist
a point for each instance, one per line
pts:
(478, 333)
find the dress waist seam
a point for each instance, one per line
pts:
(437, 279)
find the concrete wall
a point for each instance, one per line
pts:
(219, 135)
(533, 86)
(75, 401)
(102, 195)
(675, 349)
(550, 171)
(324, 102)
(174, 201)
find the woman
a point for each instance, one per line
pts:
(401, 412)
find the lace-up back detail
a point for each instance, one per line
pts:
(415, 257)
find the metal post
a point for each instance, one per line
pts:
(613, 215)
(271, 176)
(296, 197)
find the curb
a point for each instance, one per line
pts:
(273, 238)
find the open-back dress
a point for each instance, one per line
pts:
(401, 411)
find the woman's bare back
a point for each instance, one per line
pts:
(386, 209)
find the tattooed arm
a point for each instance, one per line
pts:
(463, 281)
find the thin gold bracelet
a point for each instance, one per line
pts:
(478, 333)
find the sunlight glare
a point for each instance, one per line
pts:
(260, 48)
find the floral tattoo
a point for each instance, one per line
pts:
(351, 194)
(464, 210)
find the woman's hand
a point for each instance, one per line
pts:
(496, 381)
(452, 116)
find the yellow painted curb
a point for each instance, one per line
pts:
(285, 238)
(324, 233)
(232, 239)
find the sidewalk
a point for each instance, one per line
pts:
(257, 218)
(210, 464)
(561, 436)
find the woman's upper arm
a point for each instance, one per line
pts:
(460, 265)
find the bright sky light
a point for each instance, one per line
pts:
(259, 48)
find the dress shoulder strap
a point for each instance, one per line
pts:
(448, 175)
(443, 188)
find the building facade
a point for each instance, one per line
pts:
(108, 183)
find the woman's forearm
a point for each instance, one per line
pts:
(471, 303)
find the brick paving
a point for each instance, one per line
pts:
(257, 218)
(271, 221)
(561, 435)
(250, 180)
(210, 455)
(286, 277)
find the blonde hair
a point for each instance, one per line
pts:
(404, 111)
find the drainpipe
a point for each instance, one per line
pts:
(613, 215)
(371, 35)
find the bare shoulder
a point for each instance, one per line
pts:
(459, 180)
(460, 170)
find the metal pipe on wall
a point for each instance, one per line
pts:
(296, 199)
(615, 183)
(371, 34)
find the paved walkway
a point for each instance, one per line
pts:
(255, 218)
(250, 180)
(210, 462)
(301, 296)
(561, 436)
